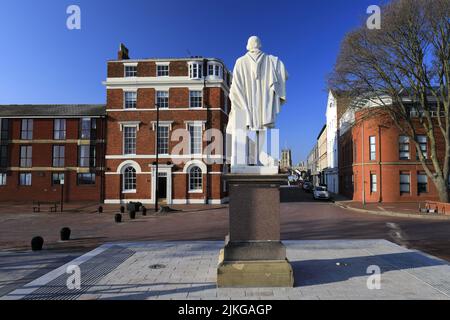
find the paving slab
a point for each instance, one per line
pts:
(323, 270)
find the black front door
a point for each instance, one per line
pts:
(162, 188)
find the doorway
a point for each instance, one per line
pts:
(162, 186)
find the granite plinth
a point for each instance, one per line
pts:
(254, 256)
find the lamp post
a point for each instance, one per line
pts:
(157, 158)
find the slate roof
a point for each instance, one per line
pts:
(52, 110)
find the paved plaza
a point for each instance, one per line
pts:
(323, 269)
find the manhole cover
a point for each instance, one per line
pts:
(157, 266)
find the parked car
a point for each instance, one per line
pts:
(321, 193)
(307, 186)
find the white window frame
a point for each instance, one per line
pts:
(215, 70)
(125, 93)
(163, 125)
(195, 125)
(158, 96)
(124, 129)
(162, 73)
(195, 70)
(200, 188)
(373, 183)
(374, 151)
(125, 71)
(191, 92)
(124, 179)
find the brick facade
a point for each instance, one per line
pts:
(213, 114)
(357, 168)
(42, 167)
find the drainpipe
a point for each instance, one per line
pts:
(362, 166)
(380, 192)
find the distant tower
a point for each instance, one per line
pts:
(286, 159)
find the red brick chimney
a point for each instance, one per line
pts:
(123, 53)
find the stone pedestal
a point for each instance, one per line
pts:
(254, 256)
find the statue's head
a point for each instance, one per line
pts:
(254, 43)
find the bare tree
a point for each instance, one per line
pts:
(404, 70)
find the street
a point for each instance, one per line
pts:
(302, 218)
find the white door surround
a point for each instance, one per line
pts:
(162, 168)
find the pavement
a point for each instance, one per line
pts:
(302, 218)
(323, 270)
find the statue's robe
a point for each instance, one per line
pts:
(257, 92)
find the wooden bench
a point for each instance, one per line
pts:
(37, 205)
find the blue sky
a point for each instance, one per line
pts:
(44, 62)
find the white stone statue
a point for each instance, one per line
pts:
(257, 92)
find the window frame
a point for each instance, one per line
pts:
(56, 158)
(125, 137)
(92, 135)
(59, 133)
(3, 179)
(59, 174)
(421, 184)
(4, 155)
(126, 183)
(130, 104)
(27, 161)
(372, 144)
(192, 138)
(406, 144)
(197, 100)
(130, 71)
(162, 104)
(91, 174)
(421, 145)
(91, 158)
(162, 70)
(166, 142)
(26, 174)
(26, 129)
(408, 174)
(195, 182)
(373, 183)
(196, 70)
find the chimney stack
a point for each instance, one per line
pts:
(123, 53)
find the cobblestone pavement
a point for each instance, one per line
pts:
(327, 269)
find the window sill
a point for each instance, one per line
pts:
(195, 191)
(128, 191)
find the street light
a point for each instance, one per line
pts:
(157, 158)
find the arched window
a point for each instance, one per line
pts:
(129, 179)
(195, 179)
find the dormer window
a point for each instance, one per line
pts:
(195, 70)
(162, 69)
(215, 70)
(130, 70)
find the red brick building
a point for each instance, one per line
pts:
(192, 95)
(42, 145)
(377, 163)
